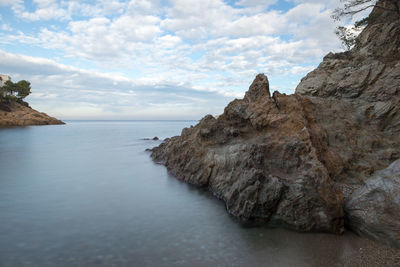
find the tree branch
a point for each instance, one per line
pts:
(352, 12)
(346, 11)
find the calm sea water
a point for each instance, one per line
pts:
(87, 194)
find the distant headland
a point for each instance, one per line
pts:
(14, 111)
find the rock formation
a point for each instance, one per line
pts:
(374, 208)
(363, 126)
(307, 161)
(16, 114)
(261, 156)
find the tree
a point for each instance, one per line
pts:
(23, 89)
(15, 91)
(347, 36)
(352, 7)
(9, 88)
(2, 93)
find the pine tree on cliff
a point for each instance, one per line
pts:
(15, 91)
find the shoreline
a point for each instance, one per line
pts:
(13, 114)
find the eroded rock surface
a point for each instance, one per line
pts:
(296, 160)
(15, 114)
(359, 96)
(260, 156)
(374, 208)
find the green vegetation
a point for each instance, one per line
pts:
(15, 91)
(347, 36)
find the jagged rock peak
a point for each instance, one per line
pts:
(259, 89)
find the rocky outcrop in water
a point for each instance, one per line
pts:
(305, 161)
(261, 156)
(16, 114)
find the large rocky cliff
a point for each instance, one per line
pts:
(13, 113)
(314, 160)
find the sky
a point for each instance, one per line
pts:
(159, 59)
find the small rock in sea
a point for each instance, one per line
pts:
(155, 138)
(148, 149)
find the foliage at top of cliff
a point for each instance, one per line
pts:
(11, 91)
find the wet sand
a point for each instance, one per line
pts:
(372, 254)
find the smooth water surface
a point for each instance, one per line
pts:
(87, 194)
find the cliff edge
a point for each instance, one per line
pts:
(317, 160)
(13, 113)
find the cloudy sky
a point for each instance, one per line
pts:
(158, 59)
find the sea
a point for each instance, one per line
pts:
(88, 194)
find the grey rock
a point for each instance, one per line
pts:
(295, 160)
(374, 208)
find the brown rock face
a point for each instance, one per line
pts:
(302, 160)
(16, 114)
(261, 157)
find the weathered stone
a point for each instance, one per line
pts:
(16, 114)
(260, 89)
(374, 208)
(296, 160)
(261, 161)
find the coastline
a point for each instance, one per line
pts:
(15, 114)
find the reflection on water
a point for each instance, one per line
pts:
(87, 194)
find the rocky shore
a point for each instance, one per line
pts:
(16, 114)
(321, 159)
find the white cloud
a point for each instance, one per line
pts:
(143, 7)
(65, 10)
(327, 3)
(110, 93)
(255, 5)
(102, 39)
(9, 2)
(6, 27)
(149, 40)
(46, 10)
(192, 19)
(187, 50)
(19, 37)
(97, 8)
